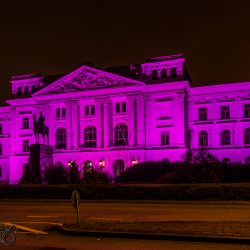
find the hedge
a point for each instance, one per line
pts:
(178, 192)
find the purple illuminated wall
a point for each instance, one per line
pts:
(121, 116)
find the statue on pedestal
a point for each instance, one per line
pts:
(40, 128)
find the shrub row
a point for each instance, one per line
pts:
(130, 192)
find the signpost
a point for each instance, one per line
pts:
(75, 199)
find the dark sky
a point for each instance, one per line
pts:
(56, 36)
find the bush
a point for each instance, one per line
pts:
(55, 174)
(96, 177)
(29, 177)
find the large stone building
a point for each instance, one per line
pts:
(115, 117)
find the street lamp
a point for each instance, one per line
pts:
(134, 162)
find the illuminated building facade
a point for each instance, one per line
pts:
(116, 117)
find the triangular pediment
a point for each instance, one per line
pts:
(86, 78)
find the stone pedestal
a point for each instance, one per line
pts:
(41, 156)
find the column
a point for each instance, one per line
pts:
(149, 128)
(140, 121)
(75, 124)
(99, 123)
(13, 131)
(131, 126)
(106, 124)
(69, 138)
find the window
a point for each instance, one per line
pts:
(202, 114)
(247, 110)
(119, 167)
(61, 138)
(225, 112)
(25, 123)
(63, 112)
(154, 74)
(58, 113)
(117, 107)
(25, 146)
(163, 73)
(90, 137)
(92, 109)
(123, 106)
(165, 138)
(19, 91)
(88, 167)
(1, 129)
(1, 149)
(173, 72)
(86, 110)
(247, 136)
(121, 135)
(225, 137)
(26, 90)
(203, 139)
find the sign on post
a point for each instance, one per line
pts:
(75, 199)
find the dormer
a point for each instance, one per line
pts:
(25, 85)
(164, 69)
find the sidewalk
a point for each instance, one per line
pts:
(236, 232)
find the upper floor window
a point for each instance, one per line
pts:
(26, 90)
(61, 138)
(89, 109)
(225, 112)
(203, 139)
(247, 110)
(60, 112)
(25, 123)
(120, 107)
(165, 138)
(121, 135)
(1, 129)
(173, 72)
(225, 137)
(19, 91)
(63, 112)
(247, 136)
(163, 73)
(90, 137)
(155, 74)
(202, 114)
(25, 146)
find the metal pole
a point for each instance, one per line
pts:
(78, 215)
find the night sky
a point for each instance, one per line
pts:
(56, 36)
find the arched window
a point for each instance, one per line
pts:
(90, 137)
(226, 160)
(88, 166)
(19, 91)
(247, 161)
(173, 72)
(121, 135)
(203, 139)
(225, 137)
(1, 149)
(163, 73)
(1, 172)
(247, 136)
(26, 90)
(61, 138)
(154, 74)
(119, 167)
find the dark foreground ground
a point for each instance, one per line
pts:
(35, 219)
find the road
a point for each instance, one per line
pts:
(34, 220)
